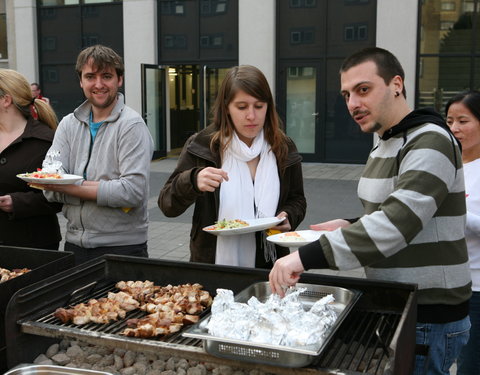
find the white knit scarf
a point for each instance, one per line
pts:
(241, 198)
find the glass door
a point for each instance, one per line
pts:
(212, 79)
(298, 101)
(154, 102)
(301, 112)
(184, 103)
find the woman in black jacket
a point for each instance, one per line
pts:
(26, 218)
(242, 166)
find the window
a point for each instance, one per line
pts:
(50, 75)
(175, 41)
(349, 33)
(302, 36)
(447, 6)
(446, 25)
(468, 6)
(49, 43)
(313, 38)
(90, 39)
(356, 2)
(211, 41)
(449, 51)
(213, 7)
(64, 27)
(303, 3)
(49, 3)
(355, 32)
(170, 7)
(48, 13)
(90, 12)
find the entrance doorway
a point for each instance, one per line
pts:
(176, 102)
(184, 99)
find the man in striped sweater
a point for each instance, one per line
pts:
(412, 190)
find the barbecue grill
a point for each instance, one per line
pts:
(377, 336)
(43, 263)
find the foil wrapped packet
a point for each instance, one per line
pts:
(277, 321)
(50, 164)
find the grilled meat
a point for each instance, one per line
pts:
(6, 274)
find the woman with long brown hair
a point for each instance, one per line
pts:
(26, 217)
(242, 166)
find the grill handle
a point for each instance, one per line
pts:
(83, 291)
(379, 336)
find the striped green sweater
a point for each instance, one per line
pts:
(412, 231)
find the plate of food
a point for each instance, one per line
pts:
(41, 177)
(237, 226)
(297, 238)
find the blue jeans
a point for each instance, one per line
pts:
(468, 362)
(445, 342)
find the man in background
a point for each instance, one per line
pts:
(37, 92)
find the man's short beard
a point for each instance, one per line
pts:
(376, 127)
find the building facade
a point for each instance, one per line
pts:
(176, 53)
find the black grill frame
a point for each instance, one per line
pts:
(388, 311)
(43, 263)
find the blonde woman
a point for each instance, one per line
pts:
(26, 218)
(242, 166)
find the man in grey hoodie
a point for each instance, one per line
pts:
(109, 145)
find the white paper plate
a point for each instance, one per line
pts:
(66, 179)
(255, 225)
(307, 236)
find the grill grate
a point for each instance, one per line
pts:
(115, 327)
(361, 343)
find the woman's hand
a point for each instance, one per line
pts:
(209, 179)
(284, 226)
(6, 203)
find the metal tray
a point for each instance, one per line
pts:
(52, 370)
(270, 354)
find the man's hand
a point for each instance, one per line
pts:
(6, 203)
(285, 272)
(330, 225)
(209, 179)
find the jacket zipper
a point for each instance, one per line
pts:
(82, 203)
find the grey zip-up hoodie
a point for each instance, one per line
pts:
(120, 159)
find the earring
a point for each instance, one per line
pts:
(397, 94)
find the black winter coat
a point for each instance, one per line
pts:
(33, 222)
(180, 192)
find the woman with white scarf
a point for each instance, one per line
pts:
(242, 166)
